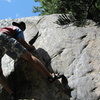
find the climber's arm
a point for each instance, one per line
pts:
(25, 44)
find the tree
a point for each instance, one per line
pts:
(81, 9)
(51, 7)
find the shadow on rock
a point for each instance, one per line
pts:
(29, 84)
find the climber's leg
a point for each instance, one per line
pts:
(3, 44)
(16, 50)
(14, 47)
(4, 83)
(36, 63)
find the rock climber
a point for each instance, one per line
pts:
(12, 40)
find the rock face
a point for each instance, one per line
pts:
(69, 50)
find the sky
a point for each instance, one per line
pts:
(12, 9)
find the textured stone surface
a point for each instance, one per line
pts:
(69, 50)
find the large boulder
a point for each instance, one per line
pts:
(69, 50)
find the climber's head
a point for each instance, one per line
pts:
(21, 25)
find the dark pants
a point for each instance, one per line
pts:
(11, 47)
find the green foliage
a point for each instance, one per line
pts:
(81, 9)
(51, 7)
(98, 4)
